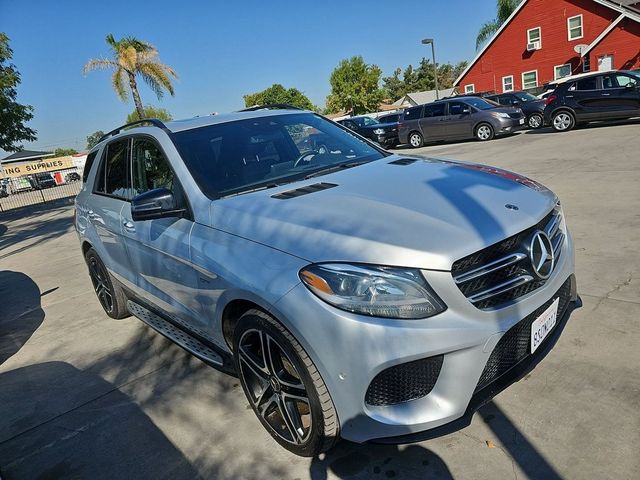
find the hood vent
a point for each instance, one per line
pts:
(403, 161)
(298, 192)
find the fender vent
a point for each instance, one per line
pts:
(298, 192)
(403, 161)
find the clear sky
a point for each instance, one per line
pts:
(221, 50)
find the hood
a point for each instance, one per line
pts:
(421, 213)
(385, 126)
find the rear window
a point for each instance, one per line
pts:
(88, 164)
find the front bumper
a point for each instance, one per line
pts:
(509, 125)
(350, 350)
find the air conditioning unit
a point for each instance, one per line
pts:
(533, 46)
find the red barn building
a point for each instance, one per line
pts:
(544, 40)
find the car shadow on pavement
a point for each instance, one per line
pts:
(352, 461)
(515, 444)
(48, 431)
(31, 228)
(20, 312)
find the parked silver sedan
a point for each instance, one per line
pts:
(355, 293)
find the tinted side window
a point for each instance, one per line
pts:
(587, 84)
(113, 178)
(624, 80)
(88, 164)
(435, 110)
(150, 167)
(412, 113)
(455, 108)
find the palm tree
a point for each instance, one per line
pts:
(505, 9)
(132, 57)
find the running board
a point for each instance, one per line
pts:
(176, 335)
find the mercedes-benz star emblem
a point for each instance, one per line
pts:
(541, 255)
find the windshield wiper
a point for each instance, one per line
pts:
(335, 168)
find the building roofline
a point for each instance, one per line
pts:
(490, 42)
(604, 33)
(626, 12)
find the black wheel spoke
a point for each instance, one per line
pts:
(288, 421)
(256, 369)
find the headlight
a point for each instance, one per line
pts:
(378, 131)
(371, 290)
(501, 114)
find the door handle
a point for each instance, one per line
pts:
(606, 94)
(128, 226)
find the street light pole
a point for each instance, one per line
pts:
(428, 41)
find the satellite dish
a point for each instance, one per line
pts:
(579, 49)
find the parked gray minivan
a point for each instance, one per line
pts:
(458, 119)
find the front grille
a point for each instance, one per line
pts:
(405, 382)
(503, 272)
(514, 346)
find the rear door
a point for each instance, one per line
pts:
(585, 97)
(432, 122)
(110, 196)
(159, 248)
(459, 122)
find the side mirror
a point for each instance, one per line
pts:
(157, 203)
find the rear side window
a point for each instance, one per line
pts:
(456, 108)
(113, 179)
(88, 164)
(412, 113)
(587, 84)
(435, 110)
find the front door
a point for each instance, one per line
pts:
(621, 95)
(159, 248)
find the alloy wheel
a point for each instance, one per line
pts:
(562, 121)
(484, 132)
(274, 387)
(415, 140)
(535, 121)
(99, 278)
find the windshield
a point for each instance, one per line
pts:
(365, 121)
(524, 96)
(244, 155)
(481, 103)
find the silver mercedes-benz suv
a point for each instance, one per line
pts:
(355, 293)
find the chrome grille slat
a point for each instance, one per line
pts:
(490, 267)
(501, 288)
(502, 272)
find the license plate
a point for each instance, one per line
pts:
(542, 325)
(522, 121)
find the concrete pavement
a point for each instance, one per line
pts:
(84, 396)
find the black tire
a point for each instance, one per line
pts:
(415, 139)
(109, 293)
(563, 121)
(535, 121)
(484, 132)
(318, 421)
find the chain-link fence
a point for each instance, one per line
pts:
(37, 188)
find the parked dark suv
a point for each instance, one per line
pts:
(601, 96)
(531, 106)
(384, 134)
(457, 119)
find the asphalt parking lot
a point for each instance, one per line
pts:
(84, 396)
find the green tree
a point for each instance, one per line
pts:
(150, 112)
(63, 152)
(393, 86)
(504, 10)
(275, 94)
(14, 115)
(94, 138)
(355, 87)
(131, 58)
(421, 78)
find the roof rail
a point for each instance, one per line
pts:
(153, 121)
(273, 106)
